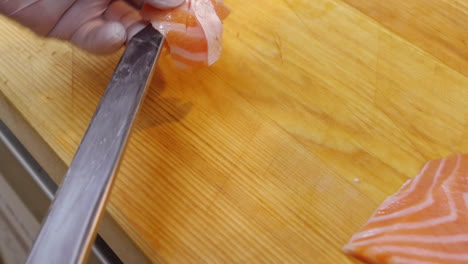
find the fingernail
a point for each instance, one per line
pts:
(100, 37)
(164, 4)
(134, 29)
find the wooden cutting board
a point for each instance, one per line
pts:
(316, 112)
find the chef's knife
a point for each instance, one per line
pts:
(68, 231)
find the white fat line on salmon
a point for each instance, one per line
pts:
(465, 198)
(430, 222)
(212, 26)
(193, 56)
(414, 251)
(414, 238)
(452, 216)
(407, 193)
(397, 196)
(181, 65)
(399, 259)
(165, 27)
(413, 185)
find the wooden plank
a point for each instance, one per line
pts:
(439, 27)
(277, 153)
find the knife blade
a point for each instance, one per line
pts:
(69, 229)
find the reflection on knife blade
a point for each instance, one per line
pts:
(70, 227)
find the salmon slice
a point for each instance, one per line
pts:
(193, 31)
(425, 222)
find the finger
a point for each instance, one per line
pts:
(41, 16)
(100, 37)
(9, 8)
(122, 12)
(117, 10)
(79, 14)
(165, 4)
(134, 29)
(130, 18)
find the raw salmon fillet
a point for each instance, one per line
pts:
(193, 31)
(425, 222)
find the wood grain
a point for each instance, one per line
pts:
(439, 27)
(254, 160)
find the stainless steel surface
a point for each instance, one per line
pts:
(18, 226)
(30, 182)
(35, 189)
(70, 226)
(42, 153)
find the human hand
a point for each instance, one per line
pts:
(98, 26)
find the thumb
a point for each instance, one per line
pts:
(100, 36)
(164, 4)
